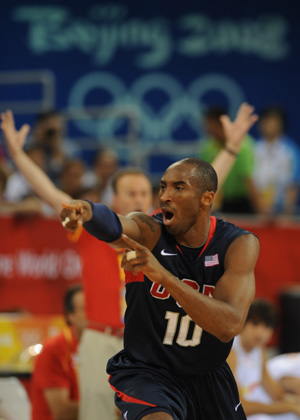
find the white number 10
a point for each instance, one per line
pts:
(181, 340)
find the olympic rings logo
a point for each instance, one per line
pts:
(161, 101)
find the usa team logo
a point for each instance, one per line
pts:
(211, 260)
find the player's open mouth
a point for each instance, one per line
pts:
(167, 217)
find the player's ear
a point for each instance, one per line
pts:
(207, 199)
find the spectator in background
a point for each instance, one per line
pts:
(54, 387)
(71, 178)
(155, 201)
(17, 186)
(49, 132)
(105, 166)
(277, 164)
(26, 205)
(262, 397)
(237, 194)
(285, 368)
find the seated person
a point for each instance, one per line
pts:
(262, 397)
(285, 368)
(54, 386)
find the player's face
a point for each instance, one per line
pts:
(256, 335)
(179, 199)
(134, 193)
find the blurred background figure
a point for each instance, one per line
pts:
(105, 166)
(277, 164)
(132, 191)
(26, 205)
(49, 132)
(285, 368)
(71, 178)
(262, 396)
(14, 401)
(17, 186)
(54, 387)
(237, 194)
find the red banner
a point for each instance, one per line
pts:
(38, 262)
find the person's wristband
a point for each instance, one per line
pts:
(230, 151)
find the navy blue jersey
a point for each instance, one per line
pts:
(157, 330)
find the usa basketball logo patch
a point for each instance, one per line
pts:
(211, 260)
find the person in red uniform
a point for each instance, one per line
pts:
(54, 386)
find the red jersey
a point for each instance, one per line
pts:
(55, 367)
(102, 279)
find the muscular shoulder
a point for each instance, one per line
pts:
(150, 228)
(243, 250)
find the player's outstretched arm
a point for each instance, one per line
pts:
(225, 314)
(104, 224)
(235, 132)
(38, 180)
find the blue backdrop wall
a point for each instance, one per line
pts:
(156, 63)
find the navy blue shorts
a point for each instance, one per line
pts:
(142, 389)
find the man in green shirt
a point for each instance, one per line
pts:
(237, 194)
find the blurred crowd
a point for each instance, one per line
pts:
(265, 179)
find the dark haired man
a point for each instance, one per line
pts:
(277, 164)
(263, 397)
(54, 386)
(189, 285)
(238, 193)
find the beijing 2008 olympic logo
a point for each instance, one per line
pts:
(160, 118)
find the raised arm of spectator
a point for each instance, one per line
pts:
(235, 132)
(38, 180)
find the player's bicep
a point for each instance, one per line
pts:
(141, 228)
(237, 285)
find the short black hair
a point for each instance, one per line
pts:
(205, 174)
(263, 312)
(214, 112)
(274, 111)
(68, 299)
(44, 115)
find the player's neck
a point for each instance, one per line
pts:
(197, 235)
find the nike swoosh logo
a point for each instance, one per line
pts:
(237, 406)
(166, 254)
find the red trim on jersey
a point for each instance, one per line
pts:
(213, 224)
(129, 399)
(131, 278)
(177, 246)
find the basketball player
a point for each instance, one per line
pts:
(188, 291)
(198, 227)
